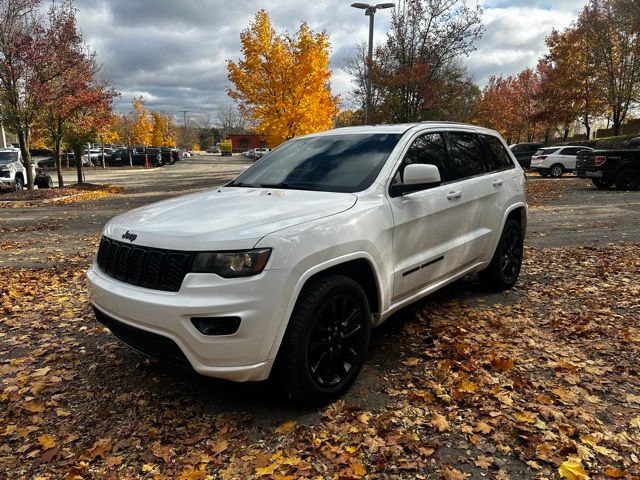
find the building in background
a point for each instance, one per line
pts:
(242, 143)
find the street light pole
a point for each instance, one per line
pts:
(370, 11)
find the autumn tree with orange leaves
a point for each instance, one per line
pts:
(281, 84)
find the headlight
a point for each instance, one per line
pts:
(231, 264)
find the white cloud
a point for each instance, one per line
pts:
(175, 51)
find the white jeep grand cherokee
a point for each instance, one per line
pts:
(288, 267)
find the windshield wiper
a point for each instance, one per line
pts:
(290, 186)
(240, 184)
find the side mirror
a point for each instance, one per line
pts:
(417, 177)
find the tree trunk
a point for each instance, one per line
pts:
(58, 160)
(77, 153)
(23, 138)
(565, 135)
(616, 127)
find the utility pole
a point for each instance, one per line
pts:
(184, 129)
(370, 11)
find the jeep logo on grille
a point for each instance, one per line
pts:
(129, 236)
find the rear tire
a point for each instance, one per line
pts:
(556, 170)
(600, 183)
(628, 179)
(502, 273)
(326, 341)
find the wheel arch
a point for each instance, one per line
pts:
(628, 163)
(360, 266)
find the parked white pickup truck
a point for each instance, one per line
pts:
(13, 173)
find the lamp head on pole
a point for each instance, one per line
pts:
(371, 9)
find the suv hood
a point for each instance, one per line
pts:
(224, 219)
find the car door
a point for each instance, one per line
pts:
(564, 157)
(430, 226)
(488, 194)
(483, 187)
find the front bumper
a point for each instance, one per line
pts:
(259, 301)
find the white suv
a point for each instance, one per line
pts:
(554, 161)
(289, 266)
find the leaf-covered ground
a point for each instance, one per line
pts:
(511, 386)
(71, 194)
(539, 382)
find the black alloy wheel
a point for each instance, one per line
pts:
(503, 270)
(628, 179)
(511, 259)
(337, 342)
(326, 341)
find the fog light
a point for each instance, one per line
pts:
(216, 325)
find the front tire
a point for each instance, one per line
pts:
(628, 179)
(326, 341)
(19, 186)
(502, 273)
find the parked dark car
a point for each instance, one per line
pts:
(169, 155)
(608, 167)
(50, 162)
(120, 157)
(524, 151)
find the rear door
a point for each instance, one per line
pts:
(567, 156)
(430, 226)
(484, 186)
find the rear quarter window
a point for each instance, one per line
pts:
(546, 151)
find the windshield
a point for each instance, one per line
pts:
(8, 157)
(332, 163)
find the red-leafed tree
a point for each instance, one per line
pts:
(25, 51)
(79, 90)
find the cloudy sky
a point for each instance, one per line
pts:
(173, 52)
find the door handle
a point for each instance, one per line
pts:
(497, 183)
(454, 195)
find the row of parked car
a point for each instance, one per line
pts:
(121, 156)
(256, 153)
(605, 168)
(548, 161)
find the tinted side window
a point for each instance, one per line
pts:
(428, 149)
(497, 156)
(467, 158)
(570, 151)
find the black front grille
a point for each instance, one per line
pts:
(144, 266)
(5, 173)
(150, 344)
